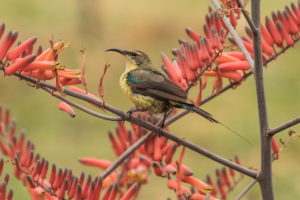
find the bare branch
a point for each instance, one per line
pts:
(265, 176)
(247, 17)
(284, 126)
(82, 108)
(234, 35)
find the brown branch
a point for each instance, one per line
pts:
(284, 126)
(265, 176)
(82, 108)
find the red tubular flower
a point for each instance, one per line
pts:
(197, 183)
(116, 147)
(14, 53)
(215, 40)
(275, 147)
(78, 192)
(145, 160)
(296, 10)
(18, 64)
(170, 169)
(235, 76)
(233, 66)
(209, 181)
(225, 57)
(274, 32)
(158, 170)
(114, 192)
(275, 18)
(288, 39)
(226, 178)
(50, 53)
(157, 149)
(291, 23)
(199, 94)
(98, 188)
(84, 192)
(2, 29)
(232, 18)
(107, 193)
(95, 162)
(10, 195)
(131, 192)
(221, 189)
(217, 84)
(63, 106)
(192, 34)
(173, 186)
(45, 170)
(238, 55)
(285, 24)
(41, 65)
(170, 153)
(206, 31)
(122, 140)
(237, 160)
(69, 81)
(62, 190)
(5, 45)
(292, 16)
(203, 51)
(4, 149)
(72, 188)
(123, 130)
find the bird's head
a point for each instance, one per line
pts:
(134, 58)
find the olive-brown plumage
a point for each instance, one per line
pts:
(150, 89)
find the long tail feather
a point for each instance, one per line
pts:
(209, 117)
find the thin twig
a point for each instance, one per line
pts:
(82, 108)
(234, 35)
(253, 182)
(247, 17)
(284, 126)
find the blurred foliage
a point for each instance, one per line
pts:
(153, 26)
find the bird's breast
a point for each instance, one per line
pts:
(145, 102)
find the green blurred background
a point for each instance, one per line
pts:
(153, 26)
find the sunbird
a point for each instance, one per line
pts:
(151, 90)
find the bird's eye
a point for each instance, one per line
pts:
(134, 54)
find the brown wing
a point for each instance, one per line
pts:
(152, 83)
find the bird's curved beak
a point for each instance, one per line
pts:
(117, 50)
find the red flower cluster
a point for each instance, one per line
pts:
(194, 60)
(157, 153)
(32, 170)
(41, 65)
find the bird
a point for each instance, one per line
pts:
(151, 90)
